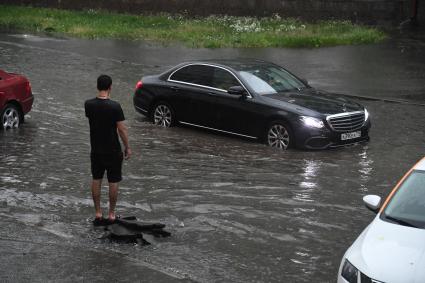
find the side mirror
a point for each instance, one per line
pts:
(236, 90)
(372, 202)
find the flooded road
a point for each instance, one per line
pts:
(238, 211)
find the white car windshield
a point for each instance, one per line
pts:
(270, 79)
(407, 206)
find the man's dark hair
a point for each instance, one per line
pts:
(104, 82)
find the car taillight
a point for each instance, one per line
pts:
(139, 85)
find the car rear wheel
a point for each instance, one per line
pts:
(163, 115)
(10, 117)
(279, 135)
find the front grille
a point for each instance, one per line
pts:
(346, 122)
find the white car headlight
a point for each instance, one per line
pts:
(366, 114)
(349, 272)
(312, 122)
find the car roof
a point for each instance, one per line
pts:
(235, 64)
(420, 165)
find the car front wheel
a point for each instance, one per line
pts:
(279, 135)
(163, 115)
(10, 117)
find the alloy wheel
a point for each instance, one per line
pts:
(278, 137)
(162, 116)
(10, 118)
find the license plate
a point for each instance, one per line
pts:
(349, 136)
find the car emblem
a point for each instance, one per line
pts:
(344, 108)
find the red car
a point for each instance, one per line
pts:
(15, 99)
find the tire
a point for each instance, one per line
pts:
(163, 115)
(10, 117)
(279, 135)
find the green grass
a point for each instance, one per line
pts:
(210, 32)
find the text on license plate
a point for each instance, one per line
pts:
(352, 135)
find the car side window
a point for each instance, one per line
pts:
(194, 74)
(223, 79)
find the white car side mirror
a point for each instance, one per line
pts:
(372, 202)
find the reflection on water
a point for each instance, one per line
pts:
(238, 211)
(365, 170)
(308, 184)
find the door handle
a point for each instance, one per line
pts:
(212, 94)
(175, 88)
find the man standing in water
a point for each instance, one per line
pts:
(106, 120)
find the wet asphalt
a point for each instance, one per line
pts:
(238, 211)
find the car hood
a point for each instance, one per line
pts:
(390, 252)
(318, 101)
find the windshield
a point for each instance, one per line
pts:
(270, 79)
(407, 206)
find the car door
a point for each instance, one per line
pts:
(239, 114)
(2, 91)
(197, 100)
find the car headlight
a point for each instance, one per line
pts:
(312, 122)
(349, 272)
(366, 114)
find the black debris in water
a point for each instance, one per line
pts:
(130, 230)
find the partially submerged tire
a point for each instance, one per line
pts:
(10, 117)
(163, 115)
(279, 135)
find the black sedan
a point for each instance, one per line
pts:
(253, 99)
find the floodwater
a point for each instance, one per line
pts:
(238, 211)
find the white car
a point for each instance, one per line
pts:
(392, 248)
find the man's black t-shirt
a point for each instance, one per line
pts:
(103, 116)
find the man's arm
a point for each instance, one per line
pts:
(123, 132)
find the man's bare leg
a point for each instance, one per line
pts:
(113, 196)
(95, 192)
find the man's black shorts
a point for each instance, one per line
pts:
(112, 163)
